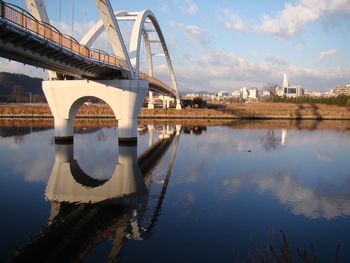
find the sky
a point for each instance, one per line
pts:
(225, 45)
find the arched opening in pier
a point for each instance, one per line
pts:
(95, 137)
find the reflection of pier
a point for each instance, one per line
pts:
(86, 211)
(68, 183)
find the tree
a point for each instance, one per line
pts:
(271, 87)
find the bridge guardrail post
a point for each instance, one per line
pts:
(21, 19)
(2, 9)
(45, 32)
(36, 26)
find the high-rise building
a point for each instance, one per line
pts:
(285, 81)
(342, 90)
(290, 91)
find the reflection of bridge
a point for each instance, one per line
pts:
(86, 211)
(78, 72)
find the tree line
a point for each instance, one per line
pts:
(19, 95)
(341, 100)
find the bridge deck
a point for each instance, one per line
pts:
(29, 41)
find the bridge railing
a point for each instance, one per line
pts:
(25, 21)
(153, 80)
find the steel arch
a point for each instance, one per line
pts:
(138, 31)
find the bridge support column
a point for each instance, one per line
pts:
(164, 101)
(150, 100)
(63, 130)
(127, 131)
(125, 97)
(167, 104)
(178, 104)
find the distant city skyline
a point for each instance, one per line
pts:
(226, 45)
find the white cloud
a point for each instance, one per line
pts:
(195, 33)
(302, 200)
(323, 157)
(295, 16)
(219, 70)
(164, 8)
(233, 21)
(187, 7)
(289, 21)
(79, 28)
(328, 53)
(275, 60)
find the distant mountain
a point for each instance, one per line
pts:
(18, 87)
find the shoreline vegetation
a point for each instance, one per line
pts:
(213, 112)
(85, 124)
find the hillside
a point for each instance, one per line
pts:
(18, 87)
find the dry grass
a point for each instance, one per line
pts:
(83, 123)
(286, 254)
(229, 111)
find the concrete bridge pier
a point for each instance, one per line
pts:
(63, 130)
(125, 97)
(150, 100)
(166, 102)
(178, 104)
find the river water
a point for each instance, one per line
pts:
(196, 192)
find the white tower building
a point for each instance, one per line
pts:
(285, 81)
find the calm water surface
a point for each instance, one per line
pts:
(184, 194)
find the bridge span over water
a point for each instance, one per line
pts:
(77, 72)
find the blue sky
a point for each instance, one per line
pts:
(225, 45)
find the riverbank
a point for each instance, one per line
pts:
(86, 125)
(229, 111)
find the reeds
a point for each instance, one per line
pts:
(284, 255)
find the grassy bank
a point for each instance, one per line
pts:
(88, 124)
(255, 111)
(229, 111)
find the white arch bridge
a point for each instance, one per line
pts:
(77, 72)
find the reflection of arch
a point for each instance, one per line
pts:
(78, 228)
(68, 183)
(82, 178)
(138, 32)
